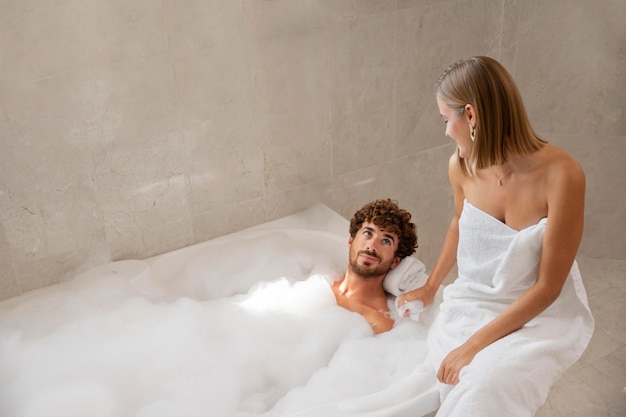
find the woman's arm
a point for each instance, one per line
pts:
(447, 257)
(565, 198)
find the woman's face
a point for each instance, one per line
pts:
(457, 128)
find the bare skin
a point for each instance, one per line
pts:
(372, 255)
(547, 183)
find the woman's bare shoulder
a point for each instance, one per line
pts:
(563, 178)
(560, 165)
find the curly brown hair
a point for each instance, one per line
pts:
(388, 216)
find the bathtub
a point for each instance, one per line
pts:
(241, 325)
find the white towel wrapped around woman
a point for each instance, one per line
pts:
(513, 375)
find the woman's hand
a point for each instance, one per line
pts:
(425, 294)
(454, 362)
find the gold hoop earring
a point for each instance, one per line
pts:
(472, 132)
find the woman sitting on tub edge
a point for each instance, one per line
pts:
(517, 315)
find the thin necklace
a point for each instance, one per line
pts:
(500, 178)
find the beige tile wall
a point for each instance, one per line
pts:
(130, 128)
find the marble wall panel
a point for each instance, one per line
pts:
(428, 196)
(136, 94)
(122, 30)
(289, 61)
(351, 9)
(299, 198)
(216, 103)
(229, 219)
(569, 64)
(356, 188)
(48, 205)
(268, 19)
(8, 278)
(131, 128)
(572, 78)
(605, 173)
(9, 286)
(42, 39)
(226, 164)
(362, 57)
(292, 101)
(508, 38)
(430, 38)
(140, 180)
(408, 4)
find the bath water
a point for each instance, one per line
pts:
(106, 346)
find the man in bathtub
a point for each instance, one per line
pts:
(381, 235)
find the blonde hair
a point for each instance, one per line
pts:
(502, 126)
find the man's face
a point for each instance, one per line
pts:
(372, 251)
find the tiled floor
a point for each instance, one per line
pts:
(596, 385)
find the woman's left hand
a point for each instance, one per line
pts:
(454, 362)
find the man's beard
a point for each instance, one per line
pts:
(365, 270)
